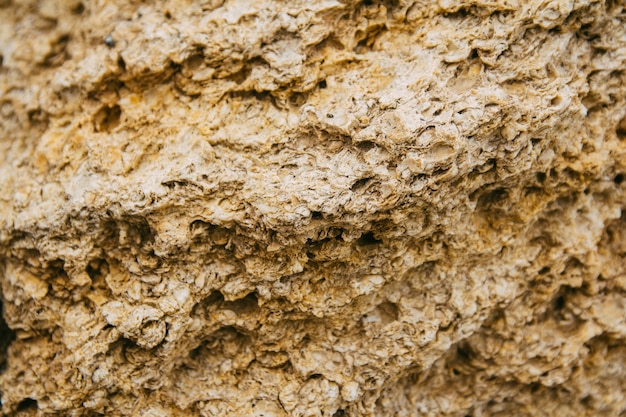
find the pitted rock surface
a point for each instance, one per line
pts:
(313, 208)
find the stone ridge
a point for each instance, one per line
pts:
(329, 208)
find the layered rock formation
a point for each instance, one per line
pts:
(313, 208)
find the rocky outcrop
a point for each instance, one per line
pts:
(319, 208)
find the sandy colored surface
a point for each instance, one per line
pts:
(313, 208)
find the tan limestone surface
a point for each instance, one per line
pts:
(313, 208)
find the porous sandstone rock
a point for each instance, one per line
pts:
(313, 208)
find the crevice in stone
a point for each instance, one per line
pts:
(7, 335)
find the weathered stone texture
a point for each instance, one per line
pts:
(313, 208)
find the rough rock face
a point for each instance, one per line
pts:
(313, 208)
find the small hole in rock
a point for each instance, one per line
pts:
(216, 297)
(97, 268)
(340, 413)
(246, 305)
(27, 404)
(367, 239)
(242, 75)
(38, 118)
(492, 198)
(621, 129)
(388, 312)
(559, 303)
(316, 215)
(464, 353)
(322, 84)
(107, 118)
(121, 63)
(366, 145)
(168, 15)
(297, 99)
(544, 270)
(78, 9)
(619, 178)
(360, 184)
(541, 176)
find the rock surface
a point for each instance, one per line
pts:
(313, 208)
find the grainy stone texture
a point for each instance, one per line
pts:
(313, 208)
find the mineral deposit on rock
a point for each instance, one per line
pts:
(313, 208)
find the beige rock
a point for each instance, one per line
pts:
(313, 208)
